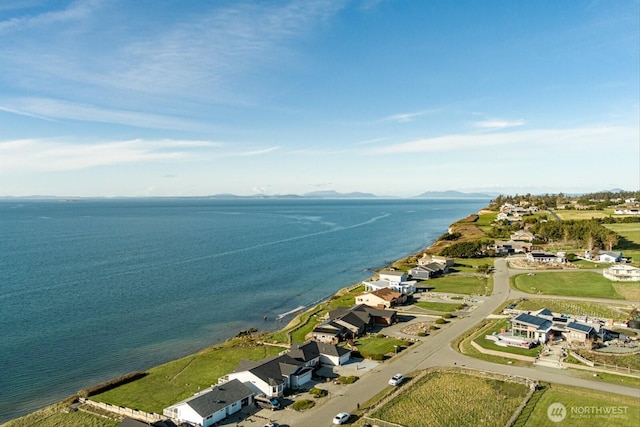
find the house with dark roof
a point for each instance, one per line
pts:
(579, 333)
(427, 271)
(314, 353)
(271, 376)
(211, 405)
(344, 323)
(534, 328)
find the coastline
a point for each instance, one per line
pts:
(294, 321)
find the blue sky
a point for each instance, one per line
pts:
(191, 98)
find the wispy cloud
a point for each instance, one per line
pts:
(591, 137)
(256, 152)
(498, 124)
(60, 155)
(76, 11)
(55, 109)
(403, 117)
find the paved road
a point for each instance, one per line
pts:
(436, 351)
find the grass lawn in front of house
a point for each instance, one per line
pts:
(372, 345)
(443, 307)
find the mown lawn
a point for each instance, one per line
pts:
(176, 380)
(576, 284)
(442, 307)
(453, 399)
(375, 346)
(460, 284)
(577, 402)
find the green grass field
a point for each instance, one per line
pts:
(453, 399)
(460, 284)
(576, 284)
(442, 307)
(622, 411)
(373, 345)
(176, 380)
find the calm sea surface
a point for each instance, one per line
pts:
(92, 289)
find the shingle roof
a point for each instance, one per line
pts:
(218, 397)
(272, 370)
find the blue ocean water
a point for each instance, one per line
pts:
(92, 289)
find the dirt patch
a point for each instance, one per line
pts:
(416, 328)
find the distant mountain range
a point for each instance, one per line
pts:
(331, 194)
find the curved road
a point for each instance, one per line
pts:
(437, 351)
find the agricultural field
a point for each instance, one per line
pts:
(570, 214)
(622, 411)
(576, 284)
(629, 242)
(451, 398)
(174, 381)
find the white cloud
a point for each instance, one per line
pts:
(403, 117)
(556, 138)
(498, 124)
(58, 155)
(76, 11)
(50, 109)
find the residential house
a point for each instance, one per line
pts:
(522, 235)
(622, 273)
(344, 323)
(579, 333)
(212, 405)
(427, 271)
(610, 257)
(446, 262)
(406, 287)
(393, 276)
(532, 327)
(314, 353)
(544, 257)
(271, 376)
(381, 298)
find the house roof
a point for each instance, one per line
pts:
(312, 349)
(528, 319)
(272, 370)
(581, 327)
(393, 273)
(386, 294)
(217, 398)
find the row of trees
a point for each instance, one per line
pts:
(589, 234)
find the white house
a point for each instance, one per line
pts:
(406, 288)
(545, 257)
(211, 405)
(622, 273)
(393, 276)
(271, 376)
(610, 257)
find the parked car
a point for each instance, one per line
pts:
(341, 418)
(265, 402)
(396, 379)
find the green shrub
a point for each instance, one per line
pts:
(303, 405)
(447, 316)
(433, 327)
(440, 321)
(348, 380)
(318, 392)
(422, 334)
(377, 356)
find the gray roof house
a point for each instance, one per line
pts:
(212, 405)
(349, 322)
(314, 353)
(579, 333)
(271, 376)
